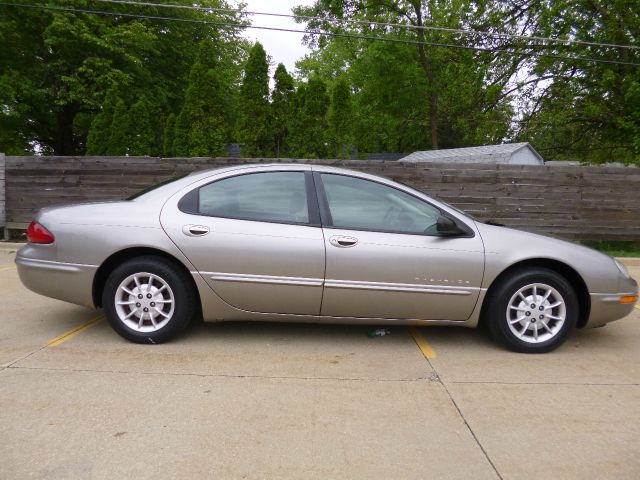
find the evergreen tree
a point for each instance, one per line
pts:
(142, 138)
(253, 129)
(100, 131)
(49, 105)
(309, 124)
(202, 125)
(340, 120)
(281, 109)
(119, 130)
(169, 136)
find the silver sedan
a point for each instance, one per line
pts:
(305, 243)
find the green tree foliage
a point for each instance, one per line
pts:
(66, 79)
(340, 120)
(411, 97)
(98, 138)
(580, 109)
(308, 126)
(416, 96)
(142, 137)
(253, 129)
(281, 109)
(169, 136)
(13, 138)
(58, 66)
(202, 127)
(119, 137)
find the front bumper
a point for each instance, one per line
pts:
(64, 281)
(606, 307)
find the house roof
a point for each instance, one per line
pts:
(487, 153)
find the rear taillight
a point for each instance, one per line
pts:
(36, 233)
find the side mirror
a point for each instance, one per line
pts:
(446, 226)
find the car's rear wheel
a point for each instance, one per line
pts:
(532, 310)
(149, 300)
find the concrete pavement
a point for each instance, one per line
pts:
(308, 401)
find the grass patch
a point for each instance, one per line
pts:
(615, 248)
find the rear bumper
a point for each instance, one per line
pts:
(64, 281)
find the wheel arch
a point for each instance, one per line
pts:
(568, 272)
(117, 258)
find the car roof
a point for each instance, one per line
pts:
(198, 176)
(259, 167)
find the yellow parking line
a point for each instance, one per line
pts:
(423, 345)
(72, 333)
(7, 268)
(638, 307)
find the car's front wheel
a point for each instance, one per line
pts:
(532, 310)
(148, 300)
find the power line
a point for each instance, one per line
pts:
(565, 41)
(321, 33)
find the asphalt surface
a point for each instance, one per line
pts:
(248, 400)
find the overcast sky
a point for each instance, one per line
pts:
(282, 47)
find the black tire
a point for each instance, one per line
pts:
(498, 314)
(180, 286)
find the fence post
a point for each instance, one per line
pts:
(3, 217)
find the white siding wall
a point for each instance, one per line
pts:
(524, 156)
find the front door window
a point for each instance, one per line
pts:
(358, 204)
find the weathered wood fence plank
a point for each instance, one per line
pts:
(596, 203)
(3, 196)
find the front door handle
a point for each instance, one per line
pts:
(342, 241)
(195, 230)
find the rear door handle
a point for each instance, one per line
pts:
(342, 241)
(195, 230)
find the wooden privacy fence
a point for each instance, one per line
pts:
(2, 191)
(587, 203)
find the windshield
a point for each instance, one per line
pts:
(153, 187)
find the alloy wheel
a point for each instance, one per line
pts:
(536, 313)
(144, 302)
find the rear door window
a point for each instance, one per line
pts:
(269, 196)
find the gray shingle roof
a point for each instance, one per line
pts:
(487, 153)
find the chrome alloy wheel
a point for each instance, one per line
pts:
(536, 313)
(144, 302)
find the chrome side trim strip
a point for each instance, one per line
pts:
(400, 287)
(56, 266)
(270, 279)
(318, 282)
